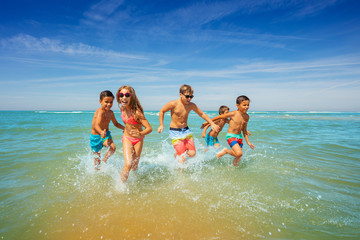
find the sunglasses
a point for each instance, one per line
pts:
(188, 96)
(127, 95)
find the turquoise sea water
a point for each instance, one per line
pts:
(301, 182)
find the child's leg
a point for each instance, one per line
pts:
(237, 150)
(109, 143)
(236, 161)
(180, 150)
(138, 148)
(96, 160)
(128, 151)
(223, 152)
(190, 147)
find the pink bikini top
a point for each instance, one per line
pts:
(131, 119)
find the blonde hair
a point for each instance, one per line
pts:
(186, 88)
(135, 105)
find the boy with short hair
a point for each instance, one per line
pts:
(100, 135)
(211, 137)
(237, 124)
(181, 135)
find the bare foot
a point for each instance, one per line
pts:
(134, 167)
(182, 159)
(124, 176)
(221, 153)
(236, 162)
(97, 163)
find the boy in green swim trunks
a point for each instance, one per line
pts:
(211, 137)
(100, 135)
(237, 125)
(181, 136)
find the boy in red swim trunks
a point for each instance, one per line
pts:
(238, 123)
(181, 136)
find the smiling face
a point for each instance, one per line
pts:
(106, 103)
(186, 97)
(124, 97)
(243, 106)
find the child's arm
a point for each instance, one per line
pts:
(116, 123)
(205, 117)
(147, 126)
(245, 132)
(222, 116)
(203, 134)
(98, 119)
(167, 107)
(144, 122)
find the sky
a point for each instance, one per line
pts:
(285, 55)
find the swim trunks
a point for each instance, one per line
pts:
(210, 141)
(97, 143)
(233, 139)
(182, 139)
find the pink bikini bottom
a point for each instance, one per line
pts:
(133, 140)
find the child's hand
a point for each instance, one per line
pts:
(135, 133)
(204, 125)
(103, 133)
(160, 129)
(252, 146)
(203, 135)
(215, 128)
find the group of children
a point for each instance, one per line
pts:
(137, 126)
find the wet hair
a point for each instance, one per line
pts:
(241, 98)
(106, 93)
(186, 89)
(223, 108)
(135, 105)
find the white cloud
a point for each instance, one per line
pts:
(27, 42)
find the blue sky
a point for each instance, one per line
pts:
(285, 55)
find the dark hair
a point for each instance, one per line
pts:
(223, 108)
(241, 98)
(106, 93)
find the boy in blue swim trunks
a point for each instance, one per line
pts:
(100, 135)
(211, 137)
(181, 136)
(237, 125)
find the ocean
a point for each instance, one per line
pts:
(302, 181)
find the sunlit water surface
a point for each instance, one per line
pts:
(301, 182)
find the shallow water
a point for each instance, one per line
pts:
(301, 182)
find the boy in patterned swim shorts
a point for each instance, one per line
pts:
(237, 124)
(181, 135)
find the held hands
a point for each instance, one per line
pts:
(203, 134)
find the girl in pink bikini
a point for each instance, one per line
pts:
(132, 115)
